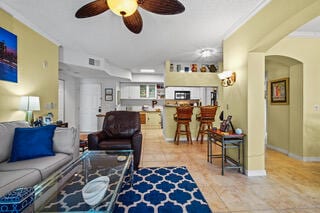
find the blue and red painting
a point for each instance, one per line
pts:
(8, 56)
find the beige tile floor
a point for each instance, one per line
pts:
(291, 186)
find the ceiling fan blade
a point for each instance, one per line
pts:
(92, 9)
(134, 22)
(162, 7)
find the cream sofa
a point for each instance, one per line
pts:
(30, 172)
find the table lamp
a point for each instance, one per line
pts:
(30, 104)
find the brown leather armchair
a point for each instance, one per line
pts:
(120, 130)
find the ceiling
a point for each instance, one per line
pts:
(204, 24)
(310, 29)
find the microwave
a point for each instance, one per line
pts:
(182, 95)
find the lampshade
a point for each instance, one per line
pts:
(123, 7)
(30, 103)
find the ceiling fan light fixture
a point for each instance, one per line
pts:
(207, 52)
(123, 7)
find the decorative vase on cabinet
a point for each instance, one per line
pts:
(194, 67)
(203, 68)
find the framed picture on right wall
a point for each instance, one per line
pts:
(279, 91)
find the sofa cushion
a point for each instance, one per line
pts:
(45, 165)
(31, 143)
(7, 133)
(20, 178)
(64, 140)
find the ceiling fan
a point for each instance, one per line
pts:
(128, 9)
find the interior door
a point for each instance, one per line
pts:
(90, 100)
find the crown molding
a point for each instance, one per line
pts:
(244, 19)
(28, 23)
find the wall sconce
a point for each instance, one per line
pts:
(30, 104)
(227, 78)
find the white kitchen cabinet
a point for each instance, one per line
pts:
(138, 91)
(129, 91)
(152, 120)
(152, 91)
(124, 90)
(134, 91)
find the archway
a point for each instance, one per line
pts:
(284, 121)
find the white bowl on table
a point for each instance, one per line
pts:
(94, 191)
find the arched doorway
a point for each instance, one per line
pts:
(284, 121)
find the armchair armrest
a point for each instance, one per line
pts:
(94, 138)
(136, 141)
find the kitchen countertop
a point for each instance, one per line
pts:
(150, 111)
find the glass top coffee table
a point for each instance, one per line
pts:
(62, 191)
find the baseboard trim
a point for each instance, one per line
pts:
(255, 173)
(311, 159)
(284, 151)
(297, 157)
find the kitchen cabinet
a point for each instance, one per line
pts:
(124, 91)
(148, 91)
(141, 90)
(150, 120)
(129, 91)
(151, 91)
(134, 92)
(143, 118)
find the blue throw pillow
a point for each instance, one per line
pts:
(31, 143)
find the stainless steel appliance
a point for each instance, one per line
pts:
(182, 95)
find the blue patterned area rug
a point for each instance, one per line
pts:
(166, 189)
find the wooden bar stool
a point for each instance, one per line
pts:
(183, 118)
(206, 118)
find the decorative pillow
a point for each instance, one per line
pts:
(64, 139)
(29, 143)
(6, 137)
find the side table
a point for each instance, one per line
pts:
(83, 144)
(226, 141)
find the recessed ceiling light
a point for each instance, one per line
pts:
(147, 70)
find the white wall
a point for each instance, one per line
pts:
(278, 115)
(72, 99)
(106, 83)
(148, 78)
(78, 58)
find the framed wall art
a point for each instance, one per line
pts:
(279, 91)
(8, 56)
(108, 94)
